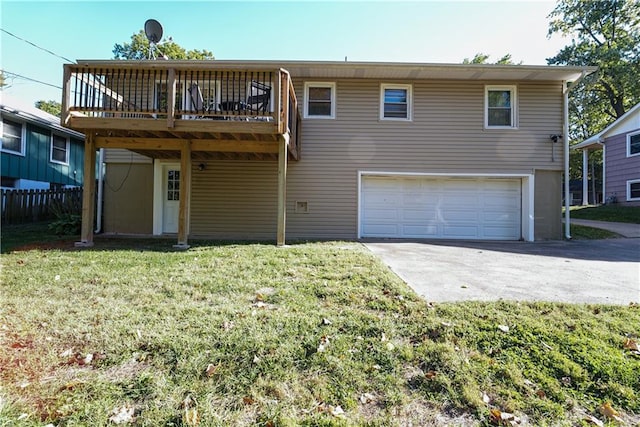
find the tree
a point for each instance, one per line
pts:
(138, 48)
(604, 33)
(51, 107)
(483, 58)
(3, 82)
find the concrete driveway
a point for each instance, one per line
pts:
(579, 271)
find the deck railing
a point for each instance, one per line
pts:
(178, 90)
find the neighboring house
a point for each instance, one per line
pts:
(325, 150)
(620, 145)
(37, 152)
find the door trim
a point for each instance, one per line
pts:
(158, 194)
(527, 216)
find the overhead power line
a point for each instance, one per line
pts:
(36, 46)
(9, 73)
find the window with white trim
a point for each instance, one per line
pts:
(59, 149)
(633, 144)
(320, 100)
(500, 107)
(633, 190)
(13, 137)
(395, 102)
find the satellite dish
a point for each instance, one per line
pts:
(153, 30)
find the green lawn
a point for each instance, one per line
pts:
(313, 334)
(612, 213)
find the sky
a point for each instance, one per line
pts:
(359, 30)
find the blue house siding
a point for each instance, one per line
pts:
(36, 164)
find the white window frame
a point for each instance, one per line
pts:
(629, 135)
(629, 183)
(23, 137)
(409, 89)
(514, 105)
(67, 149)
(307, 86)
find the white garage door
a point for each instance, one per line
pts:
(443, 208)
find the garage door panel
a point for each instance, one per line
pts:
(442, 207)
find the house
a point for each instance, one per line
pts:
(620, 145)
(324, 150)
(37, 152)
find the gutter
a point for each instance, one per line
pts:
(567, 203)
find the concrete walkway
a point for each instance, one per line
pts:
(622, 228)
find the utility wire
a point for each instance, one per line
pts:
(35, 45)
(29, 78)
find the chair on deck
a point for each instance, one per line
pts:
(258, 97)
(197, 102)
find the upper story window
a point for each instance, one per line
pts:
(320, 100)
(500, 107)
(633, 144)
(59, 149)
(395, 102)
(13, 137)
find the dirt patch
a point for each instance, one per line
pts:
(63, 245)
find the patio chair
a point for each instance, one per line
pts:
(258, 97)
(197, 102)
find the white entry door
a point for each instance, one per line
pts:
(171, 198)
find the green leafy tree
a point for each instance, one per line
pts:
(605, 33)
(138, 48)
(51, 107)
(483, 58)
(3, 83)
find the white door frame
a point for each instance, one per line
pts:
(527, 194)
(158, 193)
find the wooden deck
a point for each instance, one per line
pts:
(186, 110)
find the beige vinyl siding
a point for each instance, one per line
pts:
(446, 135)
(235, 199)
(119, 155)
(548, 205)
(128, 198)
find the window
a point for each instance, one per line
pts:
(59, 149)
(633, 190)
(500, 107)
(13, 137)
(395, 102)
(320, 100)
(633, 144)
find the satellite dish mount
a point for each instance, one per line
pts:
(153, 31)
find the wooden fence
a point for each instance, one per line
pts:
(21, 206)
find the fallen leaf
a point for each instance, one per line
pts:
(495, 416)
(447, 324)
(258, 297)
(191, 417)
(57, 277)
(247, 400)
(367, 397)
(390, 346)
(607, 410)
(211, 369)
(123, 414)
(541, 394)
(430, 375)
(324, 343)
(503, 328)
(326, 321)
(336, 411)
(485, 398)
(256, 359)
(630, 344)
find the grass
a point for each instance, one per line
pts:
(314, 334)
(611, 213)
(15, 235)
(581, 232)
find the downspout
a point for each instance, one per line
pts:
(100, 184)
(567, 203)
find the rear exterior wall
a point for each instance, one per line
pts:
(620, 169)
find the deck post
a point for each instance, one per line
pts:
(88, 192)
(171, 98)
(185, 195)
(283, 153)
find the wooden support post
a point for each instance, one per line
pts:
(66, 95)
(283, 153)
(185, 195)
(585, 177)
(88, 192)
